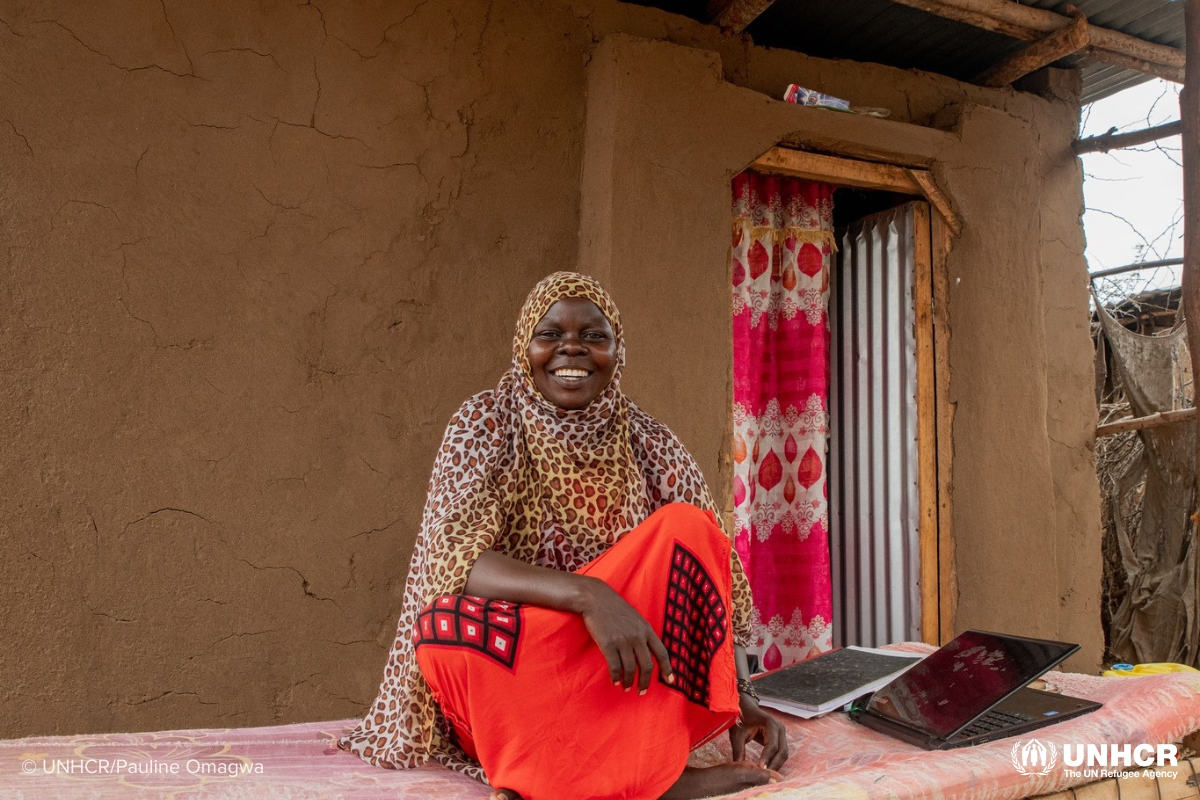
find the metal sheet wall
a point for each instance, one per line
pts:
(873, 434)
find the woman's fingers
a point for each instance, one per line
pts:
(613, 657)
(628, 667)
(775, 751)
(776, 759)
(768, 736)
(659, 651)
(770, 751)
(645, 666)
(737, 741)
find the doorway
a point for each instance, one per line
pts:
(874, 434)
(885, 504)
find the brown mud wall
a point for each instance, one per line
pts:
(256, 254)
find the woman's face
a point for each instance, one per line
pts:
(573, 353)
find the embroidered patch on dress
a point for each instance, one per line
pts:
(490, 627)
(694, 624)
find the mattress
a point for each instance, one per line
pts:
(832, 757)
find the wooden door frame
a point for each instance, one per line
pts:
(934, 233)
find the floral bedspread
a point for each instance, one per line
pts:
(832, 757)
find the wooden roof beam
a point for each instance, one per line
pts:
(1113, 140)
(1030, 24)
(735, 15)
(1070, 38)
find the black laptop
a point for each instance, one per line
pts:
(972, 690)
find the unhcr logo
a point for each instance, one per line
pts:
(1034, 757)
(1120, 755)
(1095, 761)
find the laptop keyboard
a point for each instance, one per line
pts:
(992, 721)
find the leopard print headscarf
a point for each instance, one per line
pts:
(542, 484)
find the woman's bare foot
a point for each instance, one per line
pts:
(697, 782)
(504, 794)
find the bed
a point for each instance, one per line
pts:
(833, 758)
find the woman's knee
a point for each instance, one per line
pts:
(687, 520)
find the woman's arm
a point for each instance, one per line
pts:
(500, 577)
(625, 638)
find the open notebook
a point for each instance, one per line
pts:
(829, 681)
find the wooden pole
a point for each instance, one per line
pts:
(1169, 72)
(1113, 140)
(1141, 423)
(1071, 38)
(1166, 262)
(1189, 114)
(1029, 23)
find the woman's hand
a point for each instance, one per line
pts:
(629, 644)
(759, 726)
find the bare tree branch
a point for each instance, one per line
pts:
(1149, 246)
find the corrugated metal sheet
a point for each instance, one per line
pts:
(888, 33)
(873, 489)
(883, 32)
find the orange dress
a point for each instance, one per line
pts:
(527, 693)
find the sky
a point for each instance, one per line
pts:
(1134, 197)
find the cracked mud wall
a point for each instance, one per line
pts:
(1025, 515)
(254, 257)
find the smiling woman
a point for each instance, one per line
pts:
(569, 552)
(573, 353)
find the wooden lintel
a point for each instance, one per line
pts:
(1071, 38)
(859, 174)
(1030, 23)
(842, 171)
(1142, 423)
(1113, 140)
(735, 15)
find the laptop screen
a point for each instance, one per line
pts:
(964, 678)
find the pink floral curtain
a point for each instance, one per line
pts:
(782, 248)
